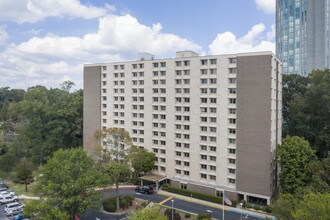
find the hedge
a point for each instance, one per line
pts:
(196, 195)
(109, 204)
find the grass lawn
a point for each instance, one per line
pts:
(19, 189)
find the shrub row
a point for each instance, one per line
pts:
(266, 208)
(195, 195)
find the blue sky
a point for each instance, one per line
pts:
(47, 42)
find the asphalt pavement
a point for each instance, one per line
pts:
(166, 200)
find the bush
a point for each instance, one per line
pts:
(268, 209)
(256, 207)
(204, 216)
(263, 208)
(187, 215)
(248, 205)
(243, 202)
(109, 204)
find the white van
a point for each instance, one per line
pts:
(13, 211)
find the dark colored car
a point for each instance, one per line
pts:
(144, 189)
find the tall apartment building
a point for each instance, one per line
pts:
(302, 35)
(213, 121)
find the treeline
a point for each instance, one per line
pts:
(303, 156)
(36, 122)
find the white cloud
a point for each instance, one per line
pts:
(271, 34)
(31, 11)
(49, 59)
(3, 35)
(267, 6)
(253, 41)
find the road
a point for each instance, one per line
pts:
(177, 203)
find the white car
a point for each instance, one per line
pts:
(14, 211)
(8, 199)
(6, 192)
(13, 205)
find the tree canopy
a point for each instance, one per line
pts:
(67, 182)
(306, 104)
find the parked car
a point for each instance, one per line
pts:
(7, 192)
(13, 211)
(3, 187)
(21, 217)
(8, 199)
(144, 189)
(13, 205)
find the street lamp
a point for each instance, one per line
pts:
(172, 209)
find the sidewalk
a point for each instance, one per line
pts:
(215, 205)
(28, 197)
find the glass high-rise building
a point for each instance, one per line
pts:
(302, 35)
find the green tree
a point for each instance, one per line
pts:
(306, 105)
(112, 154)
(313, 206)
(139, 165)
(68, 181)
(41, 210)
(294, 156)
(24, 172)
(302, 206)
(152, 213)
(294, 85)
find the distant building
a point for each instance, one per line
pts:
(213, 121)
(302, 35)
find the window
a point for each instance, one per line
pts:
(186, 109)
(212, 177)
(213, 81)
(232, 101)
(177, 153)
(231, 171)
(163, 64)
(213, 100)
(141, 65)
(232, 80)
(232, 91)
(177, 171)
(213, 120)
(203, 138)
(232, 141)
(177, 144)
(203, 176)
(232, 60)
(203, 157)
(186, 173)
(186, 154)
(203, 81)
(232, 70)
(104, 67)
(213, 158)
(232, 161)
(178, 63)
(134, 66)
(155, 73)
(213, 139)
(122, 67)
(203, 166)
(178, 72)
(186, 63)
(141, 74)
(203, 62)
(213, 129)
(232, 111)
(232, 121)
(178, 162)
(231, 180)
(232, 131)
(186, 81)
(232, 151)
(115, 67)
(155, 65)
(186, 72)
(203, 109)
(212, 148)
(213, 71)
(186, 145)
(204, 90)
(213, 61)
(204, 71)
(213, 90)
(213, 110)
(203, 147)
(203, 119)
(203, 100)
